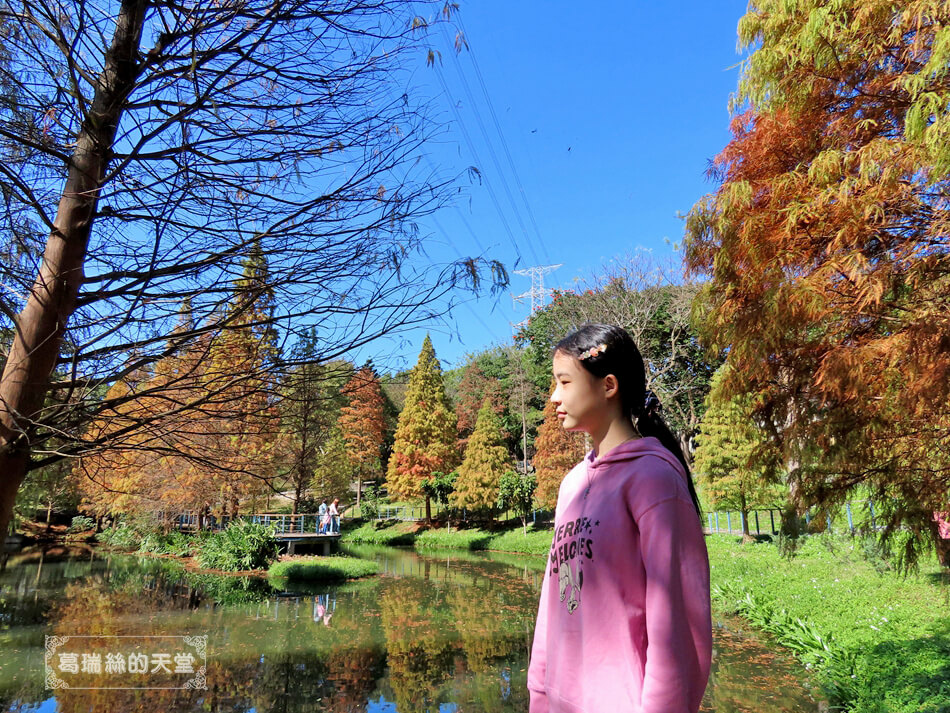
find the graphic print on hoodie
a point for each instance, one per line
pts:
(571, 547)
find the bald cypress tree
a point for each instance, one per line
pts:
(486, 460)
(738, 468)
(426, 432)
(825, 250)
(556, 452)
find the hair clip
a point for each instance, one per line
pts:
(592, 352)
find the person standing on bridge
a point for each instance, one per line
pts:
(323, 518)
(334, 514)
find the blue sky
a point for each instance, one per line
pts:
(610, 114)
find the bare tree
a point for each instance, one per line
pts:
(148, 148)
(649, 299)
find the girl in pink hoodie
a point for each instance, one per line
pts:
(624, 622)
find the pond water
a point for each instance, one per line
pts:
(446, 632)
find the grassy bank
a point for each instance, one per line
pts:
(323, 568)
(535, 542)
(878, 642)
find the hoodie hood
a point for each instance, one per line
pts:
(632, 449)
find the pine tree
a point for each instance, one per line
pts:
(426, 433)
(241, 424)
(486, 460)
(556, 452)
(310, 403)
(737, 465)
(363, 425)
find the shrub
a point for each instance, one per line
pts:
(323, 568)
(81, 523)
(122, 537)
(243, 545)
(178, 544)
(369, 505)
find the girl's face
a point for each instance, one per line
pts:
(579, 396)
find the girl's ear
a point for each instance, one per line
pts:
(611, 386)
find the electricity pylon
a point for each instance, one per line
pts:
(537, 293)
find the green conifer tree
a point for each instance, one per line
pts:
(486, 460)
(426, 433)
(737, 467)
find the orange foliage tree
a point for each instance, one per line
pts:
(201, 430)
(474, 387)
(363, 425)
(556, 452)
(826, 248)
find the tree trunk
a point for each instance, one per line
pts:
(297, 490)
(41, 325)
(428, 510)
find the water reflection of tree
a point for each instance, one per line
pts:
(484, 629)
(419, 642)
(91, 607)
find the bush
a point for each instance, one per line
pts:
(243, 545)
(122, 537)
(81, 523)
(178, 544)
(369, 505)
(323, 568)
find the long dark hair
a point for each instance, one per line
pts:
(605, 349)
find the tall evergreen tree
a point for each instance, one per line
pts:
(426, 434)
(310, 405)
(333, 471)
(486, 460)
(241, 416)
(736, 463)
(556, 452)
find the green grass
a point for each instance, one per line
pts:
(455, 539)
(879, 642)
(323, 568)
(535, 542)
(380, 533)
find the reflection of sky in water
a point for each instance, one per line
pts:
(384, 706)
(434, 633)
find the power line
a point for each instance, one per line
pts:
(504, 143)
(492, 153)
(471, 147)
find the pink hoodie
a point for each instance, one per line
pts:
(624, 622)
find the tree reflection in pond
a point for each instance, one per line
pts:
(445, 631)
